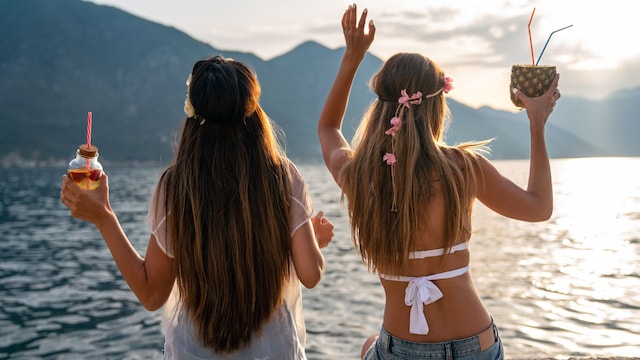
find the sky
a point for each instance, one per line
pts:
(475, 41)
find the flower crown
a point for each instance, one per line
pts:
(405, 101)
(188, 107)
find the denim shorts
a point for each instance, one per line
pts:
(388, 347)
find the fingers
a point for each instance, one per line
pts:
(372, 29)
(70, 191)
(555, 96)
(320, 217)
(65, 189)
(554, 84)
(323, 229)
(104, 179)
(353, 15)
(358, 36)
(63, 197)
(539, 108)
(363, 18)
(551, 92)
(345, 19)
(350, 19)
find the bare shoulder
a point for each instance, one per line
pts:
(464, 157)
(339, 158)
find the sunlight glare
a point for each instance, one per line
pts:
(592, 208)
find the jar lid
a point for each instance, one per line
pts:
(88, 151)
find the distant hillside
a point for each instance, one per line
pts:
(612, 124)
(60, 59)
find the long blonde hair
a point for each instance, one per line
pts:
(385, 237)
(227, 201)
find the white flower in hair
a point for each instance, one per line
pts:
(188, 108)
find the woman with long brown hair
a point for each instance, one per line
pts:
(231, 227)
(410, 195)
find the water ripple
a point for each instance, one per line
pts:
(565, 287)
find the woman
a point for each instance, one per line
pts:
(230, 226)
(411, 217)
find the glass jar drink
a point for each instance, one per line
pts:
(85, 170)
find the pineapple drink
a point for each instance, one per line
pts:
(532, 80)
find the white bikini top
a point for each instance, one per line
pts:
(421, 290)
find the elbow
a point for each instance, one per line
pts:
(546, 215)
(310, 280)
(547, 210)
(543, 214)
(151, 306)
(152, 303)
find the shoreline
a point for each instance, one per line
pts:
(586, 358)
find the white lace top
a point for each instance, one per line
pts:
(283, 337)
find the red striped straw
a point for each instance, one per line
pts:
(533, 60)
(89, 129)
(89, 116)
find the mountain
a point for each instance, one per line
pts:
(612, 124)
(60, 59)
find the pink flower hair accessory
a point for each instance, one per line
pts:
(395, 126)
(389, 158)
(406, 100)
(448, 86)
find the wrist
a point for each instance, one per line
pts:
(536, 129)
(105, 220)
(353, 58)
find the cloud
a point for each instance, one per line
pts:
(488, 40)
(603, 82)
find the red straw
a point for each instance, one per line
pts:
(533, 61)
(89, 115)
(89, 129)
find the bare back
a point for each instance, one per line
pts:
(459, 313)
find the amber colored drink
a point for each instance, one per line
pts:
(86, 178)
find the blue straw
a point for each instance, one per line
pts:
(545, 45)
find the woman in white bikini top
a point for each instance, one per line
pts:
(410, 194)
(421, 290)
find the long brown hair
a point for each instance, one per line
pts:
(385, 237)
(227, 201)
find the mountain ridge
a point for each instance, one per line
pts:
(61, 59)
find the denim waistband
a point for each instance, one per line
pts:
(442, 350)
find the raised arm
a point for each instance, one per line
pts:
(501, 194)
(335, 148)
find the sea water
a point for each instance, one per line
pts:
(569, 286)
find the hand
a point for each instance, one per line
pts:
(539, 108)
(87, 205)
(355, 38)
(323, 228)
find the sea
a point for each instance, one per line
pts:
(566, 287)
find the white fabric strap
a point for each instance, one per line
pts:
(422, 291)
(422, 254)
